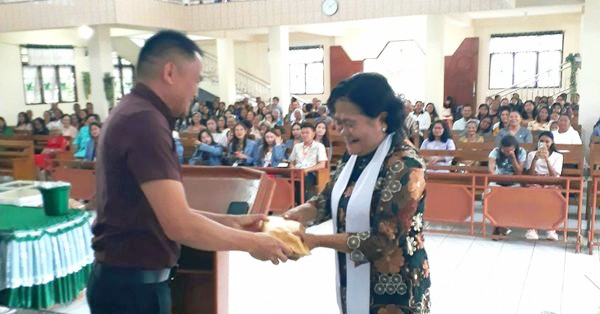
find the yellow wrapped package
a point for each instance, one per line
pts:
(284, 230)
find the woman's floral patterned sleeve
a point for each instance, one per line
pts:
(397, 220)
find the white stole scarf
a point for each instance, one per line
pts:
(358, 220)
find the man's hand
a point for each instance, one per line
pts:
(246, 222)
(268, 248)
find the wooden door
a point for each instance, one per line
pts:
(460, 76)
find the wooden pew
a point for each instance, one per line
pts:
(81, 175)
(16, 159)
(573, 168)
(529, 207)
(338, 146)
(201, 282)
(593, 192)
(458, 187)
(285, 180)
(188, 140)
(40, 142)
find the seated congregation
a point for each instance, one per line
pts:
(504, 139)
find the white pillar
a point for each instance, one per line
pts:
(589, 110)
(100, 56)
(434, 66)
(279, 46)
(226, 69)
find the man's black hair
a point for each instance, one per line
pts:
(166, 43)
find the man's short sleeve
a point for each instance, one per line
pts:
(151, 152)
(321, 153)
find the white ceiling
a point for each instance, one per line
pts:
(527, 11)
(342, 28)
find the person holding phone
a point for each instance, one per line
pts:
(545, 161)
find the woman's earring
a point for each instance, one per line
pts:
(384, 129)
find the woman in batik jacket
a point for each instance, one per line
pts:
(375, 200)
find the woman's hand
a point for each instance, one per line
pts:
(310, 240)
(240, 155)
(302, 214)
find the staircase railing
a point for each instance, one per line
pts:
(246, 84)
(251, 86)
(528, 89)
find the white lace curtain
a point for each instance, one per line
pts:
(52, 56)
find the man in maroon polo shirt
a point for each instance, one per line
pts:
(143, 215)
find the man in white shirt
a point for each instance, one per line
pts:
(566, 134)
(461, 123)
(55, 125)
(309, 155)
(421, 116)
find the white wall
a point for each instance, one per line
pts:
(12, 94)
(568, 23)
(253, 57)
(455, 31)
(368, 41)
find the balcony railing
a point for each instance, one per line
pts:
(195, 2)
(16, 1)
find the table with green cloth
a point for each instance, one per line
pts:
(44, 260)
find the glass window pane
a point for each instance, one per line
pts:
(525, 67)
(49, 81)
(51, 56)
(548, 65)
(526, 43)
(127, 80)
(501, 70)
(314, 78)
(117, 83)
(550, 42)
(31, 84)
(115, 58)
(306, 55)
(68, 91)
(297, 79)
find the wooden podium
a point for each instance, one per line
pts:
(200, 285)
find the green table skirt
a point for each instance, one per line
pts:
(61, 290)
(43, 260)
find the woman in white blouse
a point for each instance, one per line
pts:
(67, 127)
(545, 161)
(565, 133)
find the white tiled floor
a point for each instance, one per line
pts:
(469, 275)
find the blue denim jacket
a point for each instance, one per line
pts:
(596, 131)
(207, 155)
(277, 156)
(249, 150)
